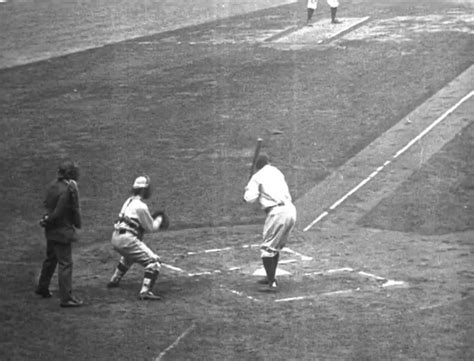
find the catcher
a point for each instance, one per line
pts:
(127, 239)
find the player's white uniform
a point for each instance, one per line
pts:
(134, 220)
(269, 187)
(313, 4)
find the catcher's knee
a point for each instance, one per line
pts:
(153, 266)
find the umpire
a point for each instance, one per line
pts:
(63, 216)
(268, 186)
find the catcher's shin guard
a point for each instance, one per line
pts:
(149, 280)
(117, 276)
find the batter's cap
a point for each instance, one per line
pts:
(141, 182)
(262, 161)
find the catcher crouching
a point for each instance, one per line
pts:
(133, 222)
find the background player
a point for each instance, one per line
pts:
(312, 6)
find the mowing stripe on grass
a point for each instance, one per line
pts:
(175, 343)
(388, 162)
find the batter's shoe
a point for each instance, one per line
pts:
(274, 285)
(45, 293)
(270, 288)
(72, 302)
(148, 295)
(336, 21)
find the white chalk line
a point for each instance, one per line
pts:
(300, 298)
(193, 274)
(246, 246)
(386, 282)
(386, 163)
(441, 304)
(302, 256)
(175, 343)
(216, 250)
(241, 294)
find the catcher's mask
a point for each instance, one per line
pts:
(68, 170)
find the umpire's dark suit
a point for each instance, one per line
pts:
(64, 216)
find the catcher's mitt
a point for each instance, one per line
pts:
(165, 221)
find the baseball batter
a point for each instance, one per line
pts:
(127, 239)
(268, 186)
(312, 5)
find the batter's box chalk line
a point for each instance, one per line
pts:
(240, 294)
(383, 282)
(279, 272)
(247, 246)
(176, 342)
(202, 273)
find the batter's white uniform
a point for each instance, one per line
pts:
(268, 186)
(313, 4)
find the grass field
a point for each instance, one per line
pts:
(185, 105)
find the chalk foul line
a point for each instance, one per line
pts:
(175, 343)
(386, 163)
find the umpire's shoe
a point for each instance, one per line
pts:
(45, 293)
(72, 302)
(148, 295)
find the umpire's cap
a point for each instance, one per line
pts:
(262, 161)
(69, 170)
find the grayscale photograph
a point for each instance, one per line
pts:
(237, 180)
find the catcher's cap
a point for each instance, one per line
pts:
(141, 182)
(262, 161)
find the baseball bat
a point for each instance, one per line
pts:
(255, 156)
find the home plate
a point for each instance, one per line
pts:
(279, 272)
